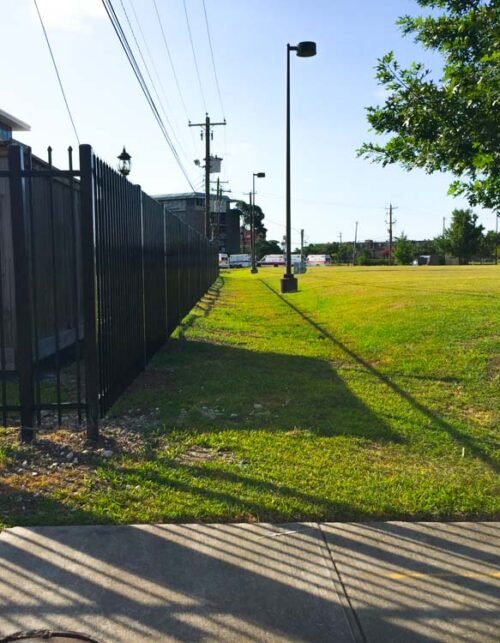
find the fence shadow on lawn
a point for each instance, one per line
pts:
(209, 386)
(466, 441)
(205, 305)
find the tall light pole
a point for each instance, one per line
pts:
(304, 50)
(259, 175)
(354, 244)
(496, 240)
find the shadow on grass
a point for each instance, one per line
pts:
(20, 507)
(205, 305)
(221, 387)
(465, 440)
(243, 497)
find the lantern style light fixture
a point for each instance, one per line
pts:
(125, 162)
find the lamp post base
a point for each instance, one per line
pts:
(254, 271)
(288, 284)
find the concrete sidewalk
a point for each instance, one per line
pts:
(299, 582)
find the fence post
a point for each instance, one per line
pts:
(24, 328)
(89, 290)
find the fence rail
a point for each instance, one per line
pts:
(95, 276)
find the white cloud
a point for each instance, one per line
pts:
(70, 15)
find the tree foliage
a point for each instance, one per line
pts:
(464, 238)
(490, 244)
(404, 250)
(450, 124)
(264, 247)
(246, 214)
(343, 253)
(320, 248)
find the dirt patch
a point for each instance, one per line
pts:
(62, 458)
(482, 417)
(198, 453)
(494, 368)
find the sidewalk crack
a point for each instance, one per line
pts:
(349, 611)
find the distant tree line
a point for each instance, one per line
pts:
(463, 240)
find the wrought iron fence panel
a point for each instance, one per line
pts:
(40, 300)
(119, 282)
(154, 251)
(94, 277)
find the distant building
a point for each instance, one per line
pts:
(9, 124)
(229, 232)
(190, 208)
(378, 249)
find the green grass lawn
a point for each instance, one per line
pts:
(373, 393)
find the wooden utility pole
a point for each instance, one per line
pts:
(216, 222)
(301, 245)
(208, 137)
(354, 244)
(391, 224)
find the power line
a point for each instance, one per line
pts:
(148, 51)
(148, 72)
(57, 71)
(213, 60)
(170, 60)
(194, 55)
(158, 78)
(332, 203)
(108, 5)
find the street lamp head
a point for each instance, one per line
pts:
(260, 175)
(306, 49)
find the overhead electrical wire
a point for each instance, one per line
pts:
(216, 83)
(149, 74)
(213, 60)
(148, 51)
(108, 5)
(158, 78)
(57, 72)
(194, 56)
(337, 204)
(172, 66)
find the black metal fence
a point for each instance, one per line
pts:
(94, 278)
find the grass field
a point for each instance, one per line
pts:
(373, 393)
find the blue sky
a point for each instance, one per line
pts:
(331, 187)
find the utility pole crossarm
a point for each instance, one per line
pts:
(203, 124)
